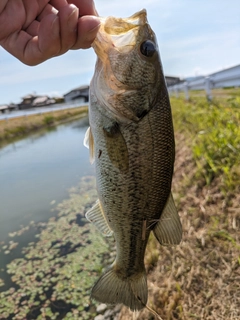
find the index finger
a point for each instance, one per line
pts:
(58, 3)
(34, 50)
(86, 7)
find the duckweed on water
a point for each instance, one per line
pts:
(55, 275)
(1, 282)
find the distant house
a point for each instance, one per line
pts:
(27, 101)
(31, 101)
(3, 108)
(172, 80)
(42, 101)
(8, 107)
(80, 94)
(12, 106)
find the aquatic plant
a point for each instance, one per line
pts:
(53, 278)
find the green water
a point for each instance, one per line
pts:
(37, 172)
(49, 255)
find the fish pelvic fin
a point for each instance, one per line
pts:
(112, 288)
(168, 230)
(98, 218)
(89, 143)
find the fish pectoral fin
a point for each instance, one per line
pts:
(97, 217)
(168, 230)
(116, 147)
(89, 143)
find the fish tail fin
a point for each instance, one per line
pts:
(112, 288)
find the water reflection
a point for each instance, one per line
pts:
(38, 170)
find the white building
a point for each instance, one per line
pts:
(80, 94)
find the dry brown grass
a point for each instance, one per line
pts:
(200, 278)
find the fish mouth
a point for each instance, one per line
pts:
(118, 33)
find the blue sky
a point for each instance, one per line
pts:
(195, 37)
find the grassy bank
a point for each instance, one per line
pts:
(199, 279)
(223, 94)
(214, 131)
(19, 127)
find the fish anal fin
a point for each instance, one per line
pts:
(168, 230)
(112, 288)
(89, 143)
(97, 217)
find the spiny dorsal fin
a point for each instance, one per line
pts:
(89, 143)
(168, 230)
(97, 217)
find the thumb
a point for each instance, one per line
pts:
(88, 27)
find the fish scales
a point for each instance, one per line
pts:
(131, 141)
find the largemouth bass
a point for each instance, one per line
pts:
(131, 141)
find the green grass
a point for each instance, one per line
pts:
(214, 131)
(48, 120)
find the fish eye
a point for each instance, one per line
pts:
(148, 48)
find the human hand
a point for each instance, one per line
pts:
(36, 30)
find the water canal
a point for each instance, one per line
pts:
(49, 256)
(38, 171)
(36, 174)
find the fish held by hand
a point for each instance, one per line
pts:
(131, 142)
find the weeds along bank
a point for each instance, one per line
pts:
(199, 279)
(19, 127)
(214, 130)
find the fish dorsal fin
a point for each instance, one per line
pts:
(97, 217)
(168, 230)
(89, 143)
